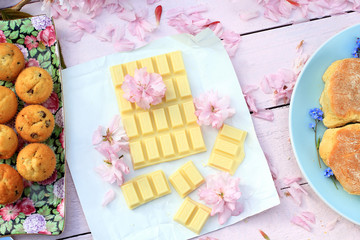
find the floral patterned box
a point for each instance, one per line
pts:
(41, 208)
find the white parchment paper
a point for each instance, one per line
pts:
(90, 101)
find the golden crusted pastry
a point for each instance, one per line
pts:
(34, 85)
(8, 104)
(11, 61)
(340, 99)
(35, 123)
(11, 184)
(340, 150)
(8, 142)
(36, 162)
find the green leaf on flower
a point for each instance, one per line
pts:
(21, 35)
(7, 33)
(14, 35)
(50, 188)
(33, 52)
(55, 59)
(27, 27)
(61, 224)
(41, 195)
(58, 217)
(57, 88)
(18, 229)
(35, 33)
(40, 58)
(35, 187)
(51, 226)
(47, 56)
(21, 215)
(49, 217)
(27, 191)
(4, 25)
(45, 210)
(45, 64)
(12, 25)
(40, 203)
(9, 225)
(34, 198)
(20, 41)
(2, 229)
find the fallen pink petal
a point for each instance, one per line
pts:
(298, 221)
(108, 198)
(309, 216)
(331, 225)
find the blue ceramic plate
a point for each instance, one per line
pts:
(306, 96)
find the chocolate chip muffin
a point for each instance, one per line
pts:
(11, 184)
(34, 85)
(11, 61)
(8, 104)
(8, 142)
(36, 162)
(35, 123)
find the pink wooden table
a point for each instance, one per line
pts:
(265, 47)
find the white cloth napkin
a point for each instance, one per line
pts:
(90, 101)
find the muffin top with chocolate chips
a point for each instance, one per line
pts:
(34, 85)
(11, 61)
(35, 123)
(11, 184)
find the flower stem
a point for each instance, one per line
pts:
(316, 143)
(333, 180)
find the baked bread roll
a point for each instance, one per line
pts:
(340, 99)
(340, 150)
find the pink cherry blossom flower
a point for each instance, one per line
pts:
(212, 110)
(111, 140)
(9, 212)
(113, 170)
(32, 62)
(60, 208)
(47, 36)
(26, 206)
(52, 103)
(30, 42)
(2, 37)
(222, 193)
(144, 88)
(109, 197)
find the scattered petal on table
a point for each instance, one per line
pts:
(107, 34)
(298, 221)
(247, 15)
(309, 216)
(140, 26)
(264, 235)
(158, 13)
(264, 114)
(289, 181)
(109, 197)
(331, 225)
(296, 192)
(86, 25)
(59, 11)
(150, 2)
